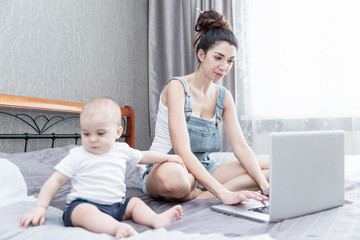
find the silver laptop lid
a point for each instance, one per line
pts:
(311, 161)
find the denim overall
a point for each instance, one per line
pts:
(204, 134)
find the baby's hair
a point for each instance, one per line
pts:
(212, 28)
(98, 104)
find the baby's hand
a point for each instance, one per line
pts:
(176, 159)
(36, 217)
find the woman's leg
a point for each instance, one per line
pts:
(91, 218)
(170, 181)
(227, 172)
(144, 215)
(235, 178)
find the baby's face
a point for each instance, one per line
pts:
(98, 133)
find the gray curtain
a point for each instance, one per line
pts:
(171, 32)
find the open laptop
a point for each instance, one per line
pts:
(306, 176)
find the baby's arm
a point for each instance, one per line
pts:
(152, 157)
(37, 215)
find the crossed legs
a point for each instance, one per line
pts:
(234, 177)
(171, 182)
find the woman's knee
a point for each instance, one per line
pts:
(170, 180)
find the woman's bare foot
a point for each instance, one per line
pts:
(167, 217)
(125, 230)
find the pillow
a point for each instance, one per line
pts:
(13, 186)
(133, 175)
(37, 166)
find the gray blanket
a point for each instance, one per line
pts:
(198, 222)
(338, 223)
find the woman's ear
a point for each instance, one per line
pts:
(201, 55)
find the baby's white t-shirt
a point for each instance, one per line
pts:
(98, 178)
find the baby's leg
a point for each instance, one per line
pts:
(91, 218)
(143, 214)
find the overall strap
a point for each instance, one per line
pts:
(188, 109)
(220, 103)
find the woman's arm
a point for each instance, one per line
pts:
(241, 149)
(37, 215)
(152, 157)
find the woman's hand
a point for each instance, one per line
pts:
(176, 159)
(241, 196)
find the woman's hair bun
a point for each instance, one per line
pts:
(207, 21)
(211, 19)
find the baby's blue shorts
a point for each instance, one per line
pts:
(116, 210)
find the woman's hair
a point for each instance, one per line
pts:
(212, 28)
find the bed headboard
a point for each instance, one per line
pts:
(20, 102)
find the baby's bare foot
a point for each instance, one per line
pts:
(125, 230)
(167, 217)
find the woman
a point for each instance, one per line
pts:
(196, 134)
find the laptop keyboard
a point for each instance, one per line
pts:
(265, 209)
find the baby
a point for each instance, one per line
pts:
(97, 200)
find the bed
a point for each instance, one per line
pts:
(23, 174)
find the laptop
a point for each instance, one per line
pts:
(306, 176)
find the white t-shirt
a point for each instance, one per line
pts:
(98, 178)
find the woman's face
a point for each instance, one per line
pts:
(218, 60)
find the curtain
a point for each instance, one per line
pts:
(171, 33)
(300, 69)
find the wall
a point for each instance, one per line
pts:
(74, 50)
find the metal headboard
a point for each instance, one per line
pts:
(12, 101)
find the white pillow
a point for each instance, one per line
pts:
(13, 187)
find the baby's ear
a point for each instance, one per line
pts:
(119, 131)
